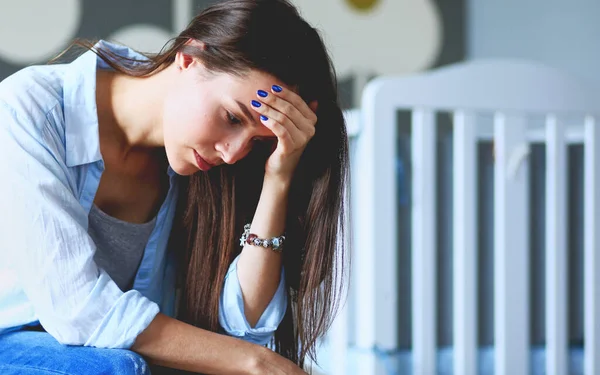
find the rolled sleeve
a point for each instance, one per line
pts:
(44, 237)
(231, 310)
(128, 316)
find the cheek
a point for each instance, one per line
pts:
(183, 118)
(183, 102)
(193, 117)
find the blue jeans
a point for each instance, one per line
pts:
(30, 352)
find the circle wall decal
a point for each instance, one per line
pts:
(35, 30)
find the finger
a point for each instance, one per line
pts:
(294, 99)
(273, 115)
(285, 140)
(281, 105)
(289, 110)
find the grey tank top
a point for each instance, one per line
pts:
(120, 245)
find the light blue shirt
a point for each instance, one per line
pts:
(50, 165)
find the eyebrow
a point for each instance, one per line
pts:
(246, 111)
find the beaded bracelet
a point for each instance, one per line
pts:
(274, 243)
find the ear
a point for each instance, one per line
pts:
(183, 59)
(314, 105)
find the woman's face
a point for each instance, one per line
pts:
(207, 118)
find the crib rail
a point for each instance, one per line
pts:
(512, 92)
(592, 247)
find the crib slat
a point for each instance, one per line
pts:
(556, 247)
(591, 247)
(423, 242)
(511, 326)
(465, 308)
(374, 223)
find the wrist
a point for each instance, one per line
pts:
(277, 183)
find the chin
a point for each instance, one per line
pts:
(185, 169)
(180, 166)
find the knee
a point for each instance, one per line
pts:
(127, 363)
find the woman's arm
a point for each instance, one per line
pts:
(259, 269)
(292, 121)
(172, 343)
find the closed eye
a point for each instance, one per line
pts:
(232, 119)
(264, 139)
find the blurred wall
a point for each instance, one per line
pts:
(561, 33)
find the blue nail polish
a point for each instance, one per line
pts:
(277, 88)
(262, 94)
(263, 117)
(255, 104)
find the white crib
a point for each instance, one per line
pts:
(513, 94)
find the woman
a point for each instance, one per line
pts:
(101, 222)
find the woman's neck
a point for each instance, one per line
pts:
(130, 109)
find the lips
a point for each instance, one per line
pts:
(202, 164)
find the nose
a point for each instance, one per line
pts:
(234, 151)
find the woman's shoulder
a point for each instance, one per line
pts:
(32, 112)
(32, 92)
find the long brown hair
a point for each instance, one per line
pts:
(270, 36)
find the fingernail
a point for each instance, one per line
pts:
(277, 88)
(255, 104)
(262, 94)
(263, 118)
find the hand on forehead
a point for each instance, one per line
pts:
(247, 91)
